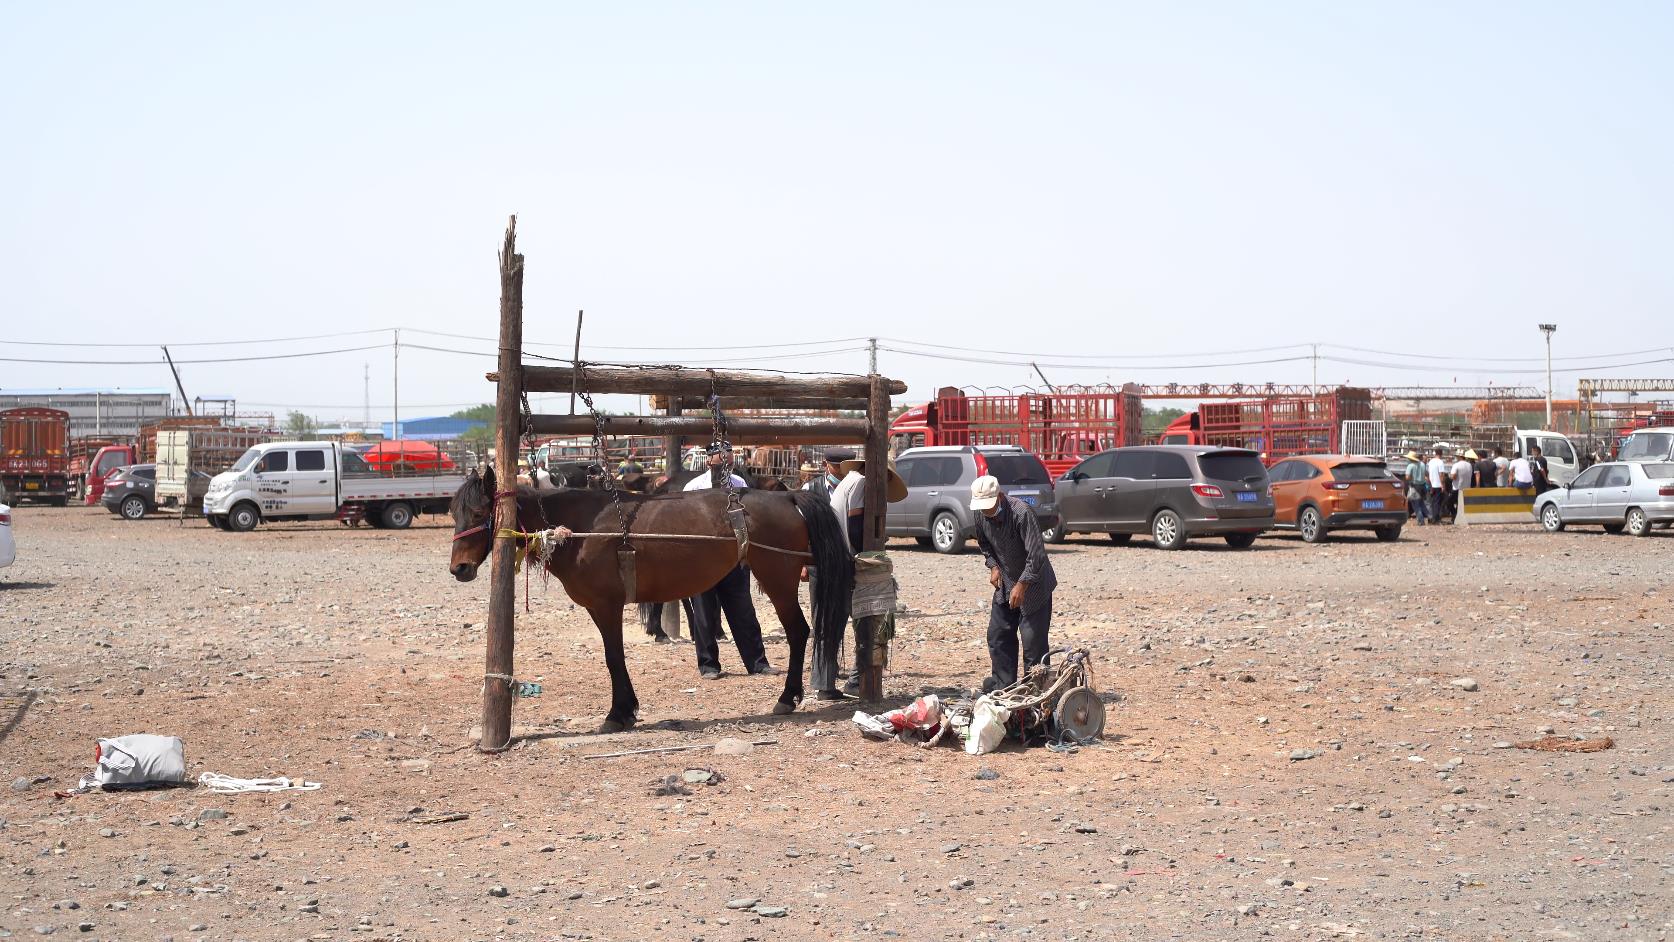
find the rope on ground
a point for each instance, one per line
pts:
(227, 785)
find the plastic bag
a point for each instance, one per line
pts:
(988, 727)
(140, 759)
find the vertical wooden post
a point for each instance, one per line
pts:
(877, 509)
(672, 444)
(502, 593)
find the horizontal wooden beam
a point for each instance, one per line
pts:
(752, 431)
(776, 403)
(677, 381)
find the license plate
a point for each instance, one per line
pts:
(31, 485)
(1029, 499)
(1371, 505)
(1247, 497)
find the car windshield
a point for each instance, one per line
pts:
(1660, 472)
(1364, 471)
(1017, 469)
(1655, 445)
(247, 459)
(1232, 466)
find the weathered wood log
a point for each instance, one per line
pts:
(679, 381)
(876, 490)
(502, 593)
(782, 430)
(776, 403)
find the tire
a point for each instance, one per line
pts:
(946, 536)
(1551, 519)
(1240, 540)
(1614, 529)
(243, 518)
(1054, 533)
(1120, 539)
(132, 507)
(1167, 531)
(218, 521)
(1311, 525)
(923, 541)
(1637, 523)
(1388, 534)
(396, 516)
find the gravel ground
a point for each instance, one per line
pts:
(1287, 751)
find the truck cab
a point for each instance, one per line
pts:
(1563, 462)
(1648, 444)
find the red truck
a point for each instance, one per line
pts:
(93, 461)
(1276, 426)
(1061, 427)
(34, 454)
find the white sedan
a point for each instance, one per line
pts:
(8, 549)
(1620, 495)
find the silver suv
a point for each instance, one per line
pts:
(1171, 492)
(938, 511)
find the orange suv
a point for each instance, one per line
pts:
(1315, 494)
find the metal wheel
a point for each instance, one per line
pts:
(1551, 519)
(1079, 712)
(1309, 524)
(133, 507)
(1054, 533)
(1167, 531)
(397, 516)
(945, 534)
(1637, 523)
(243, 518)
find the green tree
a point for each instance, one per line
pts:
(483, 435)
(299, 426)
(482, 413)
(1157, 419)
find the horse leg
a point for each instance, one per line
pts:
(779, 584)
(624, 705)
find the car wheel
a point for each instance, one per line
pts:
(1240, 540)
(1551, 519)
(1637, 523)
(133, 507)
(1388, 534)
(397, 516)
(1310, 525)
(243, 518)
(218, 521)
(1167, 530)
(1120, 538)
(946, 535)
(1054, 533)
(1613, 528)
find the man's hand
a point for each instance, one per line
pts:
(1017, 594)
(994, 577)
(804, 574)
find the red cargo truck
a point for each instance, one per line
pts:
(1277, 427)
(34, 454)
(1061, 427)
(90, 472)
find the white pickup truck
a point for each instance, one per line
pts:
(325, 481)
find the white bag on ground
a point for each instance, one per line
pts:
(141, 759)
(988, 727)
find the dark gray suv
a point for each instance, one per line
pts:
(938, 511)
(1171, 492)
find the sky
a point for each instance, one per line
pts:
(1116, 192)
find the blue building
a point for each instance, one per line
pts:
(434, 428)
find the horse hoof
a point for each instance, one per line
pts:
(781, 708)
(614, 726)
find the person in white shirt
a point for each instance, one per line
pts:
(731, 595)
(1439, 478)
(1462, 473)
(1501, 468)
(1521, 472)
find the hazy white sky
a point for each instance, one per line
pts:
(1146, 186)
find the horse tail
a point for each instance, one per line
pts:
(835, 583)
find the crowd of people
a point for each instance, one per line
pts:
(1434, 486)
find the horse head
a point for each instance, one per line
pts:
(473, 524)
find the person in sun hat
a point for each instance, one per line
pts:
(1022, 577)
(1418, 488)
(731, 595)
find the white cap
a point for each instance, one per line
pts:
(985, 492)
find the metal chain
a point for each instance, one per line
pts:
(608, 477)
(719, 420)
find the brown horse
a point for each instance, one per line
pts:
(787, 531)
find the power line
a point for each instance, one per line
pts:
(1098, 356)
(196, 343)
(270, 356)
(1537, 370)
(600, 346)
(1089, 366)
(1476, 359)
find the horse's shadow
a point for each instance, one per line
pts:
(808, 715)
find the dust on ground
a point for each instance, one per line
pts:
(1287, 751)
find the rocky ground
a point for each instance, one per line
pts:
(1305, 742)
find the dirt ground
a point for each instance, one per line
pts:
(1287, 753)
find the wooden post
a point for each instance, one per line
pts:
(502, 593)
(877, 509)
(673, 445)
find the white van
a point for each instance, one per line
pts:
(1648, 444)
(1563, 462)
(325, 481)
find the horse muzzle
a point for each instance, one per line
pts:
(464, 572)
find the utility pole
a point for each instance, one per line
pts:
(1548, 330)
(395, 426)
(1315, 384)
(872, 361)
(366, 396)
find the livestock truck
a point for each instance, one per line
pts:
(188, 457)
(35, 454)
(325, 481)
(1061, 428)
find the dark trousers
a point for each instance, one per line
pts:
(1438, 503)
(732, 596)
(1004, 625)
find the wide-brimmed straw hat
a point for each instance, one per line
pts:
(1470, 453)
(808, 467)
(897, 486)
(1412, 456)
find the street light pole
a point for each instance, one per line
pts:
(1548, 329)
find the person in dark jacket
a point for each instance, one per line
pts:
(1022, 577)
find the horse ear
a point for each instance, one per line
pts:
(488, 478)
